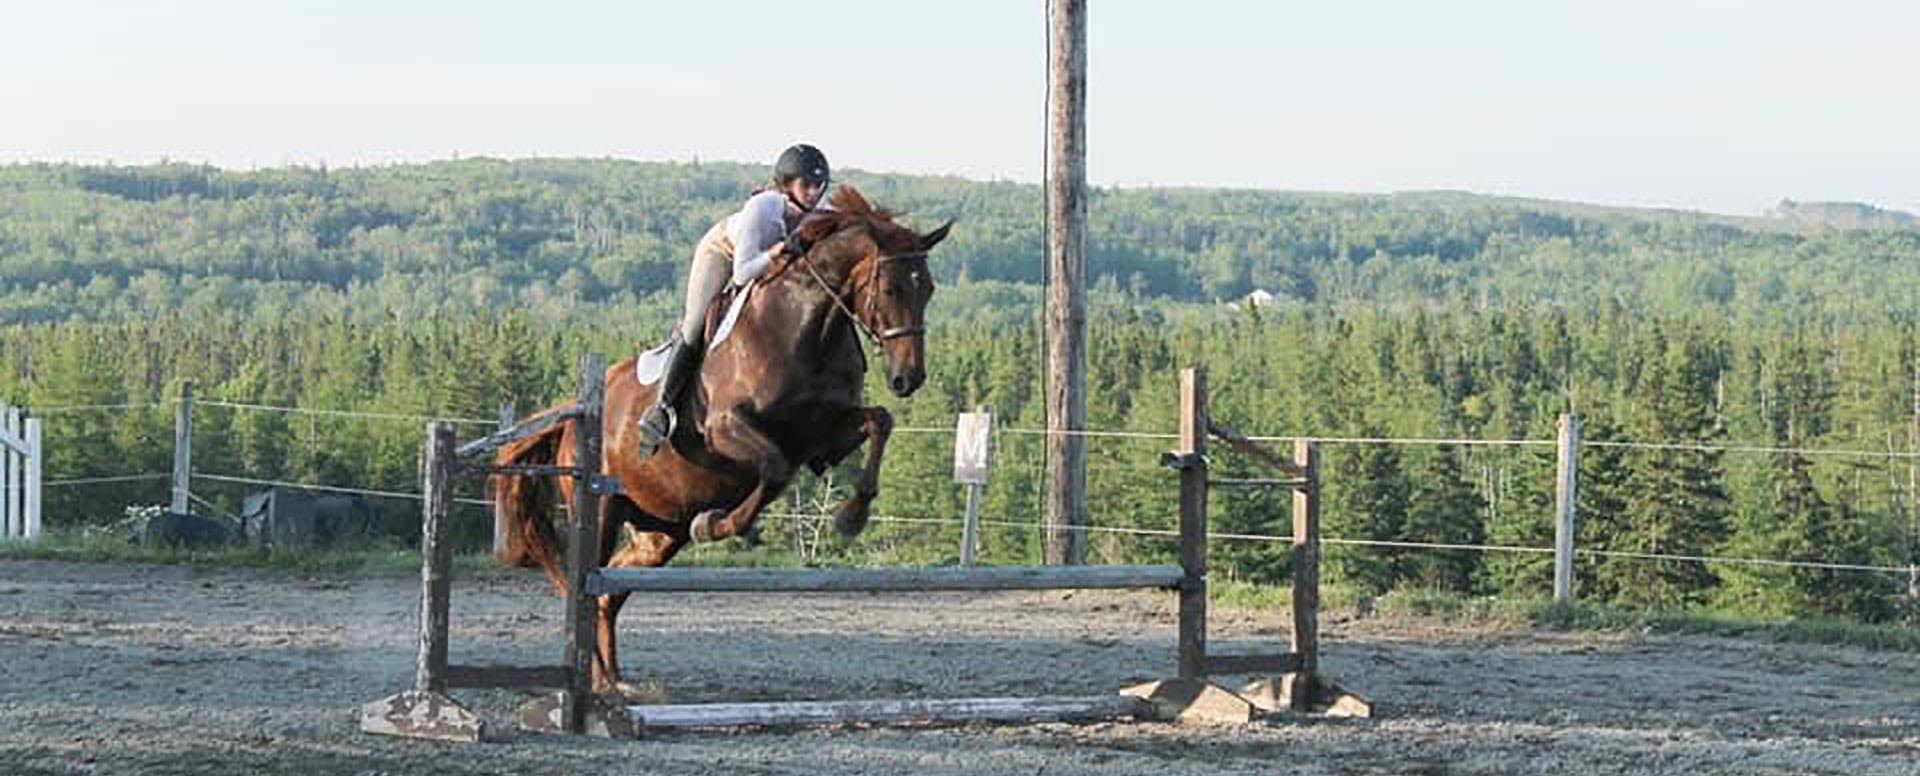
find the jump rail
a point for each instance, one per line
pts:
(693, 579)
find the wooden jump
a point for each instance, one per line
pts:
(1285, 681)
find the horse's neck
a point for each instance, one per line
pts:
(821, 329)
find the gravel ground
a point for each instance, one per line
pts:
(164, 670)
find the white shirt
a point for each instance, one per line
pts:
(761, 222)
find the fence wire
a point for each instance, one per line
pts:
(342, 413)
(1044, 526)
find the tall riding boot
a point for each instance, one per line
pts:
(657, 423)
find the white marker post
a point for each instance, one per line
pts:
(972, 457)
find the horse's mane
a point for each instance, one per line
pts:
(851, 209)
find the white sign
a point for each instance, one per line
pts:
(972, 447)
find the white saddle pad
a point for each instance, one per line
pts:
(652, 364)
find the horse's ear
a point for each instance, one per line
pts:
(848, 199)
(930, 239)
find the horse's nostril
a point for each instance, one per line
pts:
(900, 384)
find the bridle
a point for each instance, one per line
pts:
(858, 321)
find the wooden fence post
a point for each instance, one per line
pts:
(1306, 575)
(1193, 524)
(21, 458)
(426, 711)
(36, 457)
(436, 583)
(1565, 480)
(182, 450)
(583, 555)
(12, 514)
(500, 526)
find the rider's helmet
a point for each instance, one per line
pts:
(801, 162)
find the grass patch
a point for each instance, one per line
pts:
(1249, 595)
(1819, 630)
(79, 548)
(1257, 596)
(1580, 616)
(1523, 613)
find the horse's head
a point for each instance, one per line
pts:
(879, 270)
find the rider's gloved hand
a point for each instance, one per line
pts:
(795, 246)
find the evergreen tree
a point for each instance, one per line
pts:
(1679, 504)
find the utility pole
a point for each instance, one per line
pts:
(1066, 190)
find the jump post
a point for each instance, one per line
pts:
(1286, 681)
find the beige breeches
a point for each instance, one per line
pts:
(712, 269)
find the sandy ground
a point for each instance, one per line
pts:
(165, 670)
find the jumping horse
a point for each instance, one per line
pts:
(782, 390)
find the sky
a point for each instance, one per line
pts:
(1718, 105)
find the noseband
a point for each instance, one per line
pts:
(877, 337)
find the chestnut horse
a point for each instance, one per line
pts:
(783, 390)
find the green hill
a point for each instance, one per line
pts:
(558, 236)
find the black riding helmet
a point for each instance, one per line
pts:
(801, 162)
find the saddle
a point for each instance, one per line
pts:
(689, 433)
(652, 364)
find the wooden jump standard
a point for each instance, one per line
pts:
(1290, 681)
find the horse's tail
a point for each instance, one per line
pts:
(524, 503)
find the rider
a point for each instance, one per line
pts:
(740, 247)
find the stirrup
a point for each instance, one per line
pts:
(651, 438)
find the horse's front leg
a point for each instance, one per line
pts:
(734, 435)
(876, 425)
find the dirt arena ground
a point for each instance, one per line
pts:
(172, 670)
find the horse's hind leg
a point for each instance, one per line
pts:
(641, 549)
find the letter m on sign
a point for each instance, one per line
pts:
(972, 447)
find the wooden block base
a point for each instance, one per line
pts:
(1193, 701)
(606, 716)
(417, 714)
(1305, 693)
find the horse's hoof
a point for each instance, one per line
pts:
(701, 530)
(650, 692)
(850, 518)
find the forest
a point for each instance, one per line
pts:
(449, 288)
(557, 237)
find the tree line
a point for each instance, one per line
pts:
(1706, 377)
(563, 237)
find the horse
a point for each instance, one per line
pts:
(783, 390)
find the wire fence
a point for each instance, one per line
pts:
(1084, 433)
(1041, 526)
(68, 409)
(65, 409)
(1228, 536)
(104, 480)
(324, 488)
(1453, 441)
(360, 414)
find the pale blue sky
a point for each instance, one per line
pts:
(1711, 104)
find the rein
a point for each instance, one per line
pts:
(876, 337)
